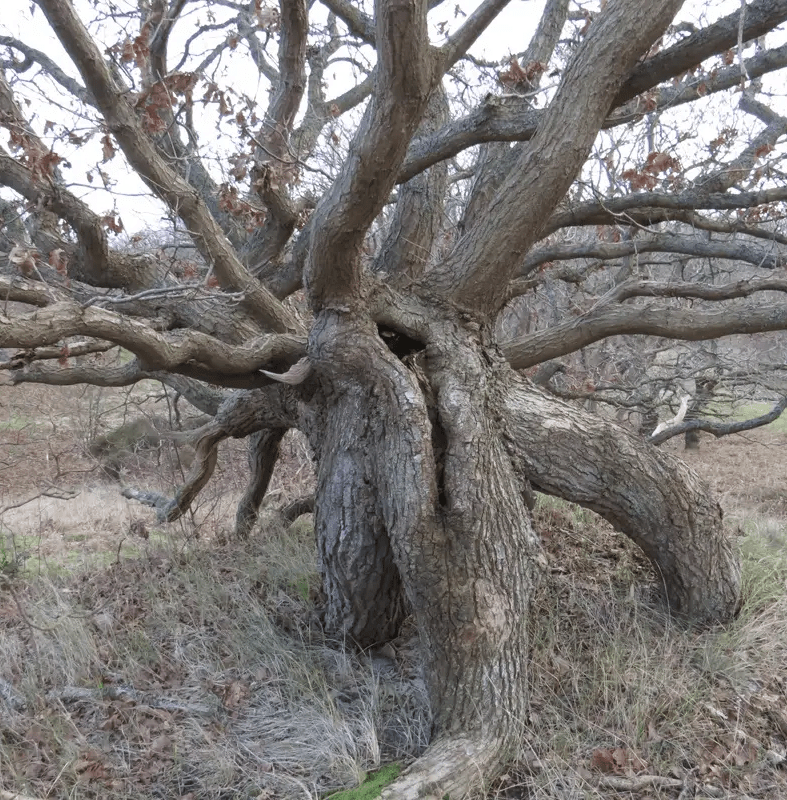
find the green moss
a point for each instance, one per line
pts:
(301, 585)
(372, 786)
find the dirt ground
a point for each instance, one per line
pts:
(170, 662)
(747, 471)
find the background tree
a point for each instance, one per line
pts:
(357, 271)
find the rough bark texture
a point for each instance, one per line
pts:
(651, 496)
(438, 507)
(425, 453)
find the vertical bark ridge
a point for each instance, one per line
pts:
(468, 567)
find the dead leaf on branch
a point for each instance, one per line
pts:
(112, 223)
(59, 261)
(24, 259)
(517, 77)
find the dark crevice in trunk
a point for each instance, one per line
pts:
(439, 444)
(400, 344)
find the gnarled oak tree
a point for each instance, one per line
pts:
(352, 263)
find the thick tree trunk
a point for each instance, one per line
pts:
(365, 603)
(437, 504)
(421, 473)
(650, 495)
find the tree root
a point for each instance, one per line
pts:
(453, 767)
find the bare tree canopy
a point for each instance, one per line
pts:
(368, 227)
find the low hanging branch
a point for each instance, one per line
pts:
(240, 415)
(719, 429)
(161, 351)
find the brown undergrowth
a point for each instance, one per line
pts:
(147, 661)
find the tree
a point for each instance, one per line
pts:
(353, 273)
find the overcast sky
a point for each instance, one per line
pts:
(508, 34)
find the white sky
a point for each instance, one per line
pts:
(509, 33)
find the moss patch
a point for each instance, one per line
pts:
(372, 786)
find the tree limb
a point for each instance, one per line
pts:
(719, 429)
(240, 415)
(159, 351)
(461, 41)
(649, 208)
(512, 120)
(652, 320)
(405, 76)
(655, 243)
(164, 181)
(418, 214)
(759, 17)
(545, 170)
(358, 23)
(200, 395)
(49, 67)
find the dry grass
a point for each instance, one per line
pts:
(181, 666)
(621, 691)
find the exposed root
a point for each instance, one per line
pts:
(454, 767)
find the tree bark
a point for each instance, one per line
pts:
(650, 495)
(263, 454)
(433, 505)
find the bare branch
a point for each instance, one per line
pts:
(158, 351)
(742, 165)
(719, 429)
(201, 396)
(734, 249)
(358, 23)
(653, 320)
(483, 258)
(93, 262)
(514, 120)
(263, 453)
(760, 16)
(49, 66)
(24, 357)
(286, 98)
(464, 38)
(418, 215)
(242, 414)
(649, 208)
(164, 181)
(494, 159)
(163, 19)
(34, 293)
(404, 78)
